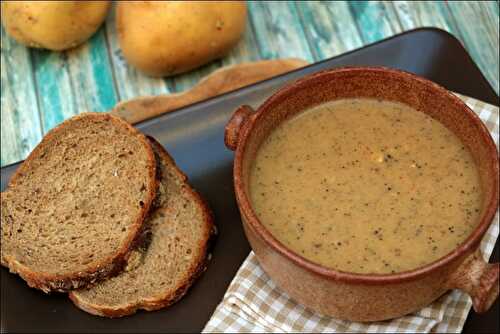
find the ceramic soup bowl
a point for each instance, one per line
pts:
(368, 297)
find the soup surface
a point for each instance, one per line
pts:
(366, 186)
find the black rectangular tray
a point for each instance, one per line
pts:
(194, 137)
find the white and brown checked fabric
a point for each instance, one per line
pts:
(253, 303)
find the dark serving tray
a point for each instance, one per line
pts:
(194, 136)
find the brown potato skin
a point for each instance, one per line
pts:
(53, 25)
(169, 37)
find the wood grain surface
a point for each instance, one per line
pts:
(39, 89)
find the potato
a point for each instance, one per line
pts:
(163, 38)
(54, 25)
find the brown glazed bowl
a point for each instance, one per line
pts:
(368, 297)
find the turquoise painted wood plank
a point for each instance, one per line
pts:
(492, 7)
(129, 82)
(375, 20)
(54, 89)
(481, 38)
(246, 50)
(278, 30)
(91, 75)
(329, 27)
(20, 122)
(413, 14)
(73, 81)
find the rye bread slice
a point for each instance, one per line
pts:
(74, 209)
(173, 252)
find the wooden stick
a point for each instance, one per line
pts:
(220, 81)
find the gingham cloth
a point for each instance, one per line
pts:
(253, 303)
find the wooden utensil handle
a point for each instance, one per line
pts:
(220, 81)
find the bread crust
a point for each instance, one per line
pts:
(113, 264)
(163, 299)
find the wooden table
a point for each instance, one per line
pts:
(39, 89)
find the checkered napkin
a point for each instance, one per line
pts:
(253, 303)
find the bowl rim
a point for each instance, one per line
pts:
(252, 221)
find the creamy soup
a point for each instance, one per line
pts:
(366, 186)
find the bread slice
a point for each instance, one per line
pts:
(173, 253)
(74, 209)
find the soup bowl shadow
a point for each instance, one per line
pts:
(368, 297)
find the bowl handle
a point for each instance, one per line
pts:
(479, 279)
(235, 124)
